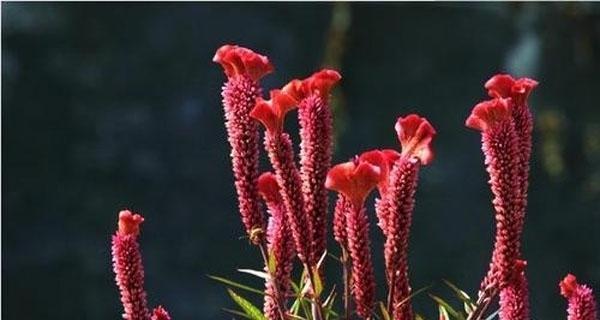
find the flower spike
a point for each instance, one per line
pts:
(280, 246)
(514, 299)
(128, 268)
(239, 61)
(582, 305)
(271, 113)
(415, 134)
(244, 68)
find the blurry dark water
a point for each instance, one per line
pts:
(108, 106)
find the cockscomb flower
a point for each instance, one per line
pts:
(395, 209)
(314, 115)
(159, 313)
(514, 299)
(280, 245)
(244, 68)
(582, 305)
(355, 180)
(499, 145)
(128, 268)
(278, 144)
(505, 86)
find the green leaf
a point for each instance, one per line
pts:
(459, 293)
(236, 285)
(493, 315)
(272, 263)
(412, 295)
(443, 312)
(237, 313)
(384, 311)
(317, 282)
(256, 273)
(253, 312)
(419, 317)
(448, 308)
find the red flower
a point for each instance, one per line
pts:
(280, 244)
(243, 68)
(514, 299)
(505, 86)
(499, 145)
(239, 61)
(314, 115)
(415, 134)
(159, 313)
(355, 180)
(271, 113)
(582, 305)
(128, 268)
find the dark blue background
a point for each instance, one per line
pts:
(107, 106)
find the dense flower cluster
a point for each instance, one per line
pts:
(295, 195)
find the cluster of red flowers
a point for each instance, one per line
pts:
(296, 197)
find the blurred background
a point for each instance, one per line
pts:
(111, 106)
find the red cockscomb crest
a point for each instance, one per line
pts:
(129, 223)
(268, 187)
(568, 285)
(415, 134)
(271, 113)
(237, 60)
(488, 114)
(505, 86)
(384, 159)
(319, 83)
(353, 179)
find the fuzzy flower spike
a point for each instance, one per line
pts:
(395, 209)
(280, 244)
(314, 115)
(514, 299)
(499, 145)
(244, 68)
(582, 305)
(355, 180)
(129, 271)
(271, 114)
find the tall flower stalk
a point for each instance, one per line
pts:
(244, 68)
(129, 270)
(355, 180)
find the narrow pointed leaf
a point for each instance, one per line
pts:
(236, 285)
(493, 315)
(419, 317)
(451, 311)
(272, 266)
(459, 293)
(256, 273)
(384, 311)
(412, 295)
(443, 312)
(252, 311)
(237, 313)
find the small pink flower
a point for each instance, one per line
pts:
(582, 305)
(128, 268)
(244, 68)
(355, 180)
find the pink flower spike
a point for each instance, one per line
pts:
(505, 86)
(489, 114)
(353, 180)
(271, 113)
(159, 313)
(514, 299)
(239, 61)
(129, 223)
(582, 304)
(415, 134)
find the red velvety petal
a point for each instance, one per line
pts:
(271, 113)
(416, 134)
(129, 223)
(488, 114)
(384, 160)
(268, 187)
(354, 181)
(505, 86)
(237, 60)
(319, 83)
(568, 285)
